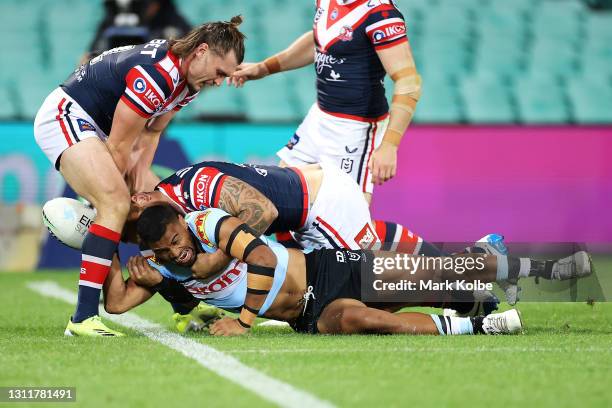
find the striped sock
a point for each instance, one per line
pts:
(453, 326)
(396, 237)
(97, 255)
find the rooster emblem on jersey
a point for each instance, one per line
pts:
(346, 33)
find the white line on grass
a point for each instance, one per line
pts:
(226, 366)
(466, 350)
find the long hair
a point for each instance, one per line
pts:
(221, 36)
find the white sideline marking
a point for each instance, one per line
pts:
(471, 350)
(228, 367)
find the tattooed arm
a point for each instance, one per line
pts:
(247, 203)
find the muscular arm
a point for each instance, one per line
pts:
(140, 176)
(299, 54)
(126, 128)
(241, 200)
(399, 64)
(122, 295)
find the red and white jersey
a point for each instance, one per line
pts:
(349, 73)
(146, 77)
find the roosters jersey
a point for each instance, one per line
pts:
(226, 290)
(198, 187)
(349, 73)
(146, 77)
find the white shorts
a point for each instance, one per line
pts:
(339, 216)
(61, 123)
(346, 144)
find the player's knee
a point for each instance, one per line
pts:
(114, 308)
(116, 202)
(352, 320)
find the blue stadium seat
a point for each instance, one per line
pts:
(8, 109)
(540, 99)
(224, 101)
(34, 86)
(487, 100)
(591, 100)
(440, 101)
(270, 100)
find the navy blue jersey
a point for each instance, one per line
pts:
(349, 73)
(146, 77)
(198, 187)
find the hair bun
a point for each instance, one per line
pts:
(236, 20)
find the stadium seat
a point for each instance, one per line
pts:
(34, 86)
(269, 100)
(222, 102)
(304, 88)
(548, 57)
(487, 100)
(591, 100)
(440, 101)
(540, 99)
(8, 109)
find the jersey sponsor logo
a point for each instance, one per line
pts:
(85, 126)
(387, 31)
(323, 60)
(140, 85)
(366, 237)
(224, 280)
(201, 185)
(334, 14)
(346, 33)
(200, 224)
(153, 98)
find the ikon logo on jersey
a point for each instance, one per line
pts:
(201, 185)
(387, 32)
(140, 85)
(366, 237)
(153, 98)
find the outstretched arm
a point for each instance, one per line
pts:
(297, 55)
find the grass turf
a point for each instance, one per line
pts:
(563, 359)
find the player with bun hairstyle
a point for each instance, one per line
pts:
(101, 127)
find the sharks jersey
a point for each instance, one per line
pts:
(226, 290)
(349, 73)
(145, 77)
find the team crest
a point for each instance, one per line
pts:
(366, 238)
(347, 165)
(201, 229)
(346, 33)
(85, 126)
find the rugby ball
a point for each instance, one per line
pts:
(68, 220)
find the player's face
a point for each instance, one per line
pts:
(207, 68)
(176, 245)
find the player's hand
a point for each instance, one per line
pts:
(247, 72)
(142, 273)
(383, 164)
(227, 327)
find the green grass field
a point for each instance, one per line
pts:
(564, 358)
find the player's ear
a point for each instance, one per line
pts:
(201, 49)
(181, 220)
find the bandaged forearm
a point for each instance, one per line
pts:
(246, 246)
(407, 91)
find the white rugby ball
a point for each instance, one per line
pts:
(68, 220)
